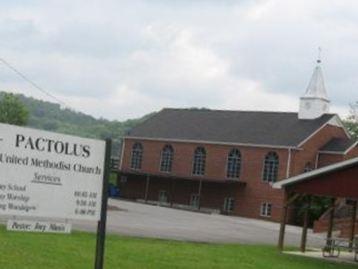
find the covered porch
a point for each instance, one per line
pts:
(195, 193)
(337, 181)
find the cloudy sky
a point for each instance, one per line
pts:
(123, 59)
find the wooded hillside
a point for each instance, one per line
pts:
(50, 116)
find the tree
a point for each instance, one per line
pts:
(351, 122)
(352, 128)
(12, 110)
(319, 205)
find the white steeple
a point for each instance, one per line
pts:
(314, 103)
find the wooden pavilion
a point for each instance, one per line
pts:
(336, 181)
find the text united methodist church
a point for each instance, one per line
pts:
(226, 161)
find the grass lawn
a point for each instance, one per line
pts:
(40, 251)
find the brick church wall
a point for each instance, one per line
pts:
(311, 147)
(248, 199)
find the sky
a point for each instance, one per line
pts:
(123, 59)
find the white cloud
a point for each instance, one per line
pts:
(122, 59)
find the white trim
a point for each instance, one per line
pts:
(210, 142)
(122, 153)
(314, 98)
(265, 213)
(313, 173)
(331, 152)
(351, 147)
(316, 161)
(288, 169)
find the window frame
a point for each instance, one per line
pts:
(239, 164)
(229, 204)
(197, 198)
(160, 195)
(266, 210)
(308, 167)
(202, 166)
(264, 167)
(138, 165)
(169, 164)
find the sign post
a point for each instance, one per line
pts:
(101, 229)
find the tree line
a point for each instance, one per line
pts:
(18, 109)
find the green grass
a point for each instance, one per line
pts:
(76, 251)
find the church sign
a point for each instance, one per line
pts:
(44, 174)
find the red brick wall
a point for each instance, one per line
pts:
(216, 159)
(352, 153)
(249, 198)
(327, 159)
(311, 147)
(341, 183)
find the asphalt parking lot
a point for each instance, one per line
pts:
(142, 220)
(136, 219)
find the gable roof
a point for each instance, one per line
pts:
(223, 126)
(338, 145)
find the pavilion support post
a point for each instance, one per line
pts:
(199, 193)
(146, 189)
(331, 219)
(281, 237)
(353, 224)
(172, 186)
(305, 224)
(287, 201)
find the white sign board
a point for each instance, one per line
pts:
(51, 175)
(38, 226)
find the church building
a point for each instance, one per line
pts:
(226, 161)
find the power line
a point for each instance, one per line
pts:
(31, 82)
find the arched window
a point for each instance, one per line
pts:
(199, 161)
(270, 167)
(137, 154)
(166, 159)
(234, 164)
(308, 167)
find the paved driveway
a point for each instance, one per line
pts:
(136, 219)
(143, 220)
